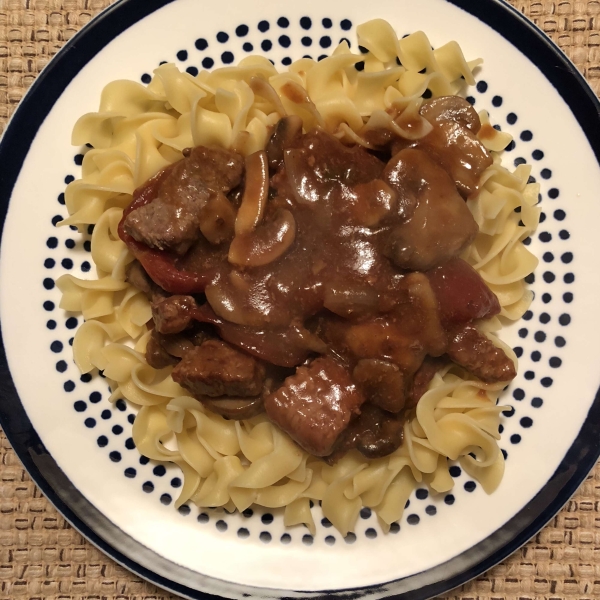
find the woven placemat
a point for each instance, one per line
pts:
(42, 557)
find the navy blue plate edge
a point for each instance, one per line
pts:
(577, 463)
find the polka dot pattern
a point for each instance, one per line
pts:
(109, 426)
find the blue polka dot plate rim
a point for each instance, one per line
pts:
(78, 447)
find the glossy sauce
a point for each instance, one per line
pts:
(349, 272)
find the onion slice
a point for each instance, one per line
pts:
(235, 408)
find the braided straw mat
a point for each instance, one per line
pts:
(41, 556)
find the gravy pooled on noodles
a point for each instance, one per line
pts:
(318, 282)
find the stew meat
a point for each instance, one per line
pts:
(318, 282)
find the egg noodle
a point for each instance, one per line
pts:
(138, 130)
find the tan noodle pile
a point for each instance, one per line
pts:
(139, 130)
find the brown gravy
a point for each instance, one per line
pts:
(353, 261)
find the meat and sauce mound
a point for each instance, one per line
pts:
(318, 282)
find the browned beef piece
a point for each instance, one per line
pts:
(472, 350)
(173, 219)
(374, 433)
(214, 168)
(218, 369)
(165, 225)
(247, 407)
(382, 382)
(423, 378)
(435, 223)
(315, 405)
(173, 314)
(156, 355)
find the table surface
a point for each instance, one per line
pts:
(42, 556)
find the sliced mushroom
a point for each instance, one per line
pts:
(254, 200)
(286, 131)
(231, 303)
(374, 433)
(164, 350)
(383, 383)
(303, 182)
(156, 356)
(404, 123)
(266, 243)
(460, 153)
(452, 108)
(175, 344)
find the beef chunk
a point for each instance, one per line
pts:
(215, 169)
(315, 405)
(372, 203)
(217, 369)
(472, 350)
(165, 225)
(173, 220)
(435, 223)
(173, 314)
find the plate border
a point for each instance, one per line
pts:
(93, 525)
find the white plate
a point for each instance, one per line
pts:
(78, 448)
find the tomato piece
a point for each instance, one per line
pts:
(461, 293)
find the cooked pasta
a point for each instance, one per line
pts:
(138, 130)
